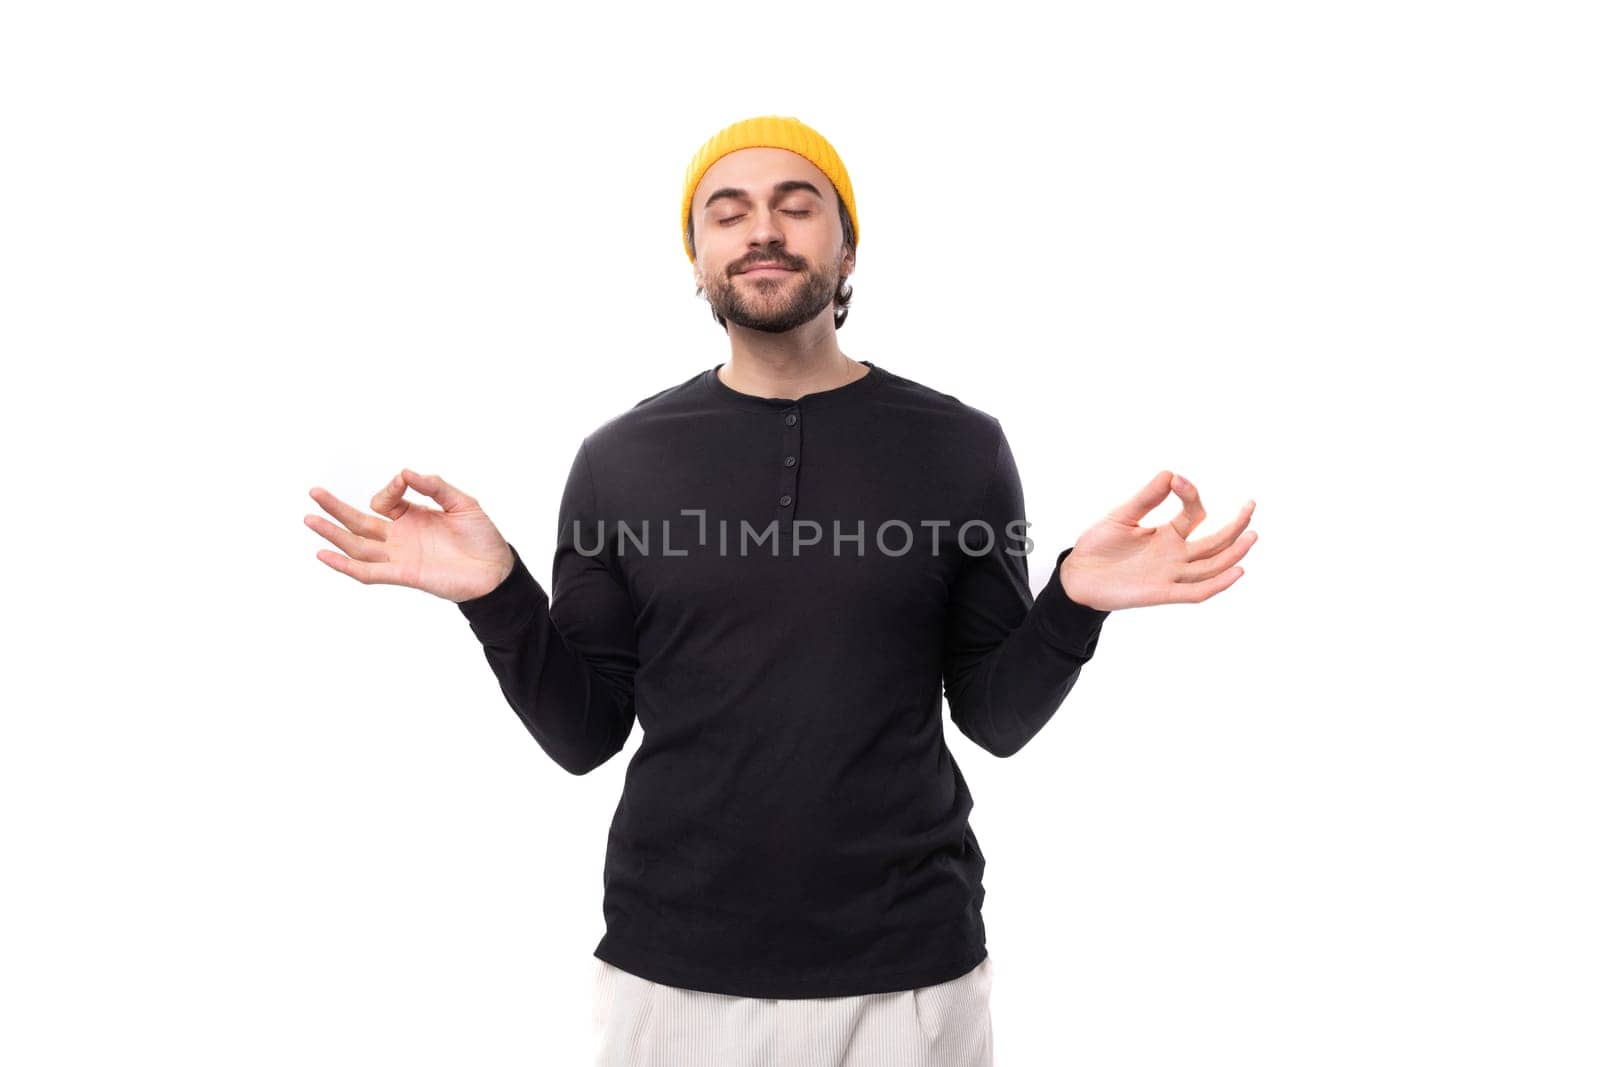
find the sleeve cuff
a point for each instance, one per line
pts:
(1070, 625)
(507, 608)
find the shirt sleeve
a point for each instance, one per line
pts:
(1010, 658)
(565, 666)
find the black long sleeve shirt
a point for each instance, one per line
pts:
(778, 591)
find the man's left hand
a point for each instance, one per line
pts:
(1117, 563)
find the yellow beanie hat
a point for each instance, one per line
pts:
(769, 131)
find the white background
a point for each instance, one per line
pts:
(1338, 258)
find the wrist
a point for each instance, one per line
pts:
(1071, 578)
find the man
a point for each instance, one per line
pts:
(778, 567)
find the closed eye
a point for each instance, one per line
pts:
(735, 218)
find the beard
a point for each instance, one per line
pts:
(774, 304)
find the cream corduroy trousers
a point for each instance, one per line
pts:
(640, 1023)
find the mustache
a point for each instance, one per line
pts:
(752, 264)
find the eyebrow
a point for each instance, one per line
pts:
(777, 190)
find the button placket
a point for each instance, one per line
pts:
(789, 471)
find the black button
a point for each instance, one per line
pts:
(785, 499)
(788, 461)
(790, 419)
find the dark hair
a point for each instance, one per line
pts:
(841, 295)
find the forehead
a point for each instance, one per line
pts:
(757, 170)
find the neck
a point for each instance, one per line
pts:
(791, 364)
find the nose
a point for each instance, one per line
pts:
(764, 230)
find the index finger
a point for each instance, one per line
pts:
(449, 497)
(389, 501)
(1138, 506)
(1193, 514)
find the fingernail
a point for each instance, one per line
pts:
(1178, 482)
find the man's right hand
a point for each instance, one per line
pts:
(456, 553)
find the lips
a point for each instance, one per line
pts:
(756, 268)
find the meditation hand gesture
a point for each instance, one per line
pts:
(456, 553)
(1117, 563)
